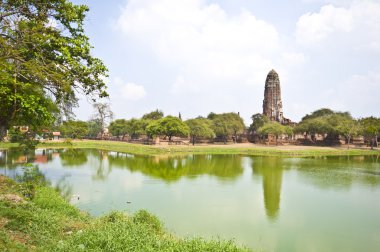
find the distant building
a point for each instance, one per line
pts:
(272, 104)
(56, 135)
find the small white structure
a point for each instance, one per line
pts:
(56, 135)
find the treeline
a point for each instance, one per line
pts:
(329, 124)
(220, 127)
(154, 124)
(324, 123)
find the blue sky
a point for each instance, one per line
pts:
(198, 56)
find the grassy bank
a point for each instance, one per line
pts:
(250, 149)
(48, 223)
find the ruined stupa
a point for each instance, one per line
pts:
(272, 105)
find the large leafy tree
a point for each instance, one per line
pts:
(324, 122)
(74, 129)
(370, 128)
(200, 128)
(118, 127)
(226, 125)
(169, 126)
(258, 120)
(154, 115)
(276, 129)
(45, 61)
(135, 127)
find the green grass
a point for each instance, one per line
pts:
(48, 223)
(212, 149)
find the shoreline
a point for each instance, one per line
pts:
(239, 149)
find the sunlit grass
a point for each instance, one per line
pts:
(255, 150)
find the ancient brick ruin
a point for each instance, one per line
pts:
(272, 105)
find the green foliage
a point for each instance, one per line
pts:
(258, 120)
(370, 128)
(348, 128)
(169, 126)
(227, 124)
(94, 128)
(154, 115)
(118, 127)
(43, 65)
(200, 128)
(30, 179)
(136, 127)
(25, 140)
(142, 217)
(74, 129)
(325, 112)
(324, 122)
(276, 129)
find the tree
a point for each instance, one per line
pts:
(348, 128)
(370, 129)
(118, 127)
(199, 128)
(154, 115)
(154, 128)
(173, 126)
(276, 129)
(94, 128)
(258, 120)
(74, 129)
(136, 127)
(324, 122)
(227, 124)
(103, 114)
(44, 60)
(169, 126)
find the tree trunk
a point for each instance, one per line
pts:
(170, 138)
(276, 140)
(225, 140)
(372, 143)
(3, 132)
(348, 142)
(193, 138)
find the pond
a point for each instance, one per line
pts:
(265, 203)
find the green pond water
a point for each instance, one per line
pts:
(264, 203)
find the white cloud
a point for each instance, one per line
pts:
(207, 46)
(314, 27)
(133, 91)
(207, 59)
(359, 94)
(357, 25)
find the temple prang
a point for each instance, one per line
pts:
(272, 104)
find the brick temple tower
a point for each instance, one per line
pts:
(272, 105)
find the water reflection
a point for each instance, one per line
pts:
(271, 170)
(339, 172)
(171, 169)
(323, 173)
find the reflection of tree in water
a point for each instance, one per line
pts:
(340, 172)
(173, 168)
(73, 157)
(270, 168)
(101, 163)
(15, 157)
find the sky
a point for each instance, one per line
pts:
(199, 56)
